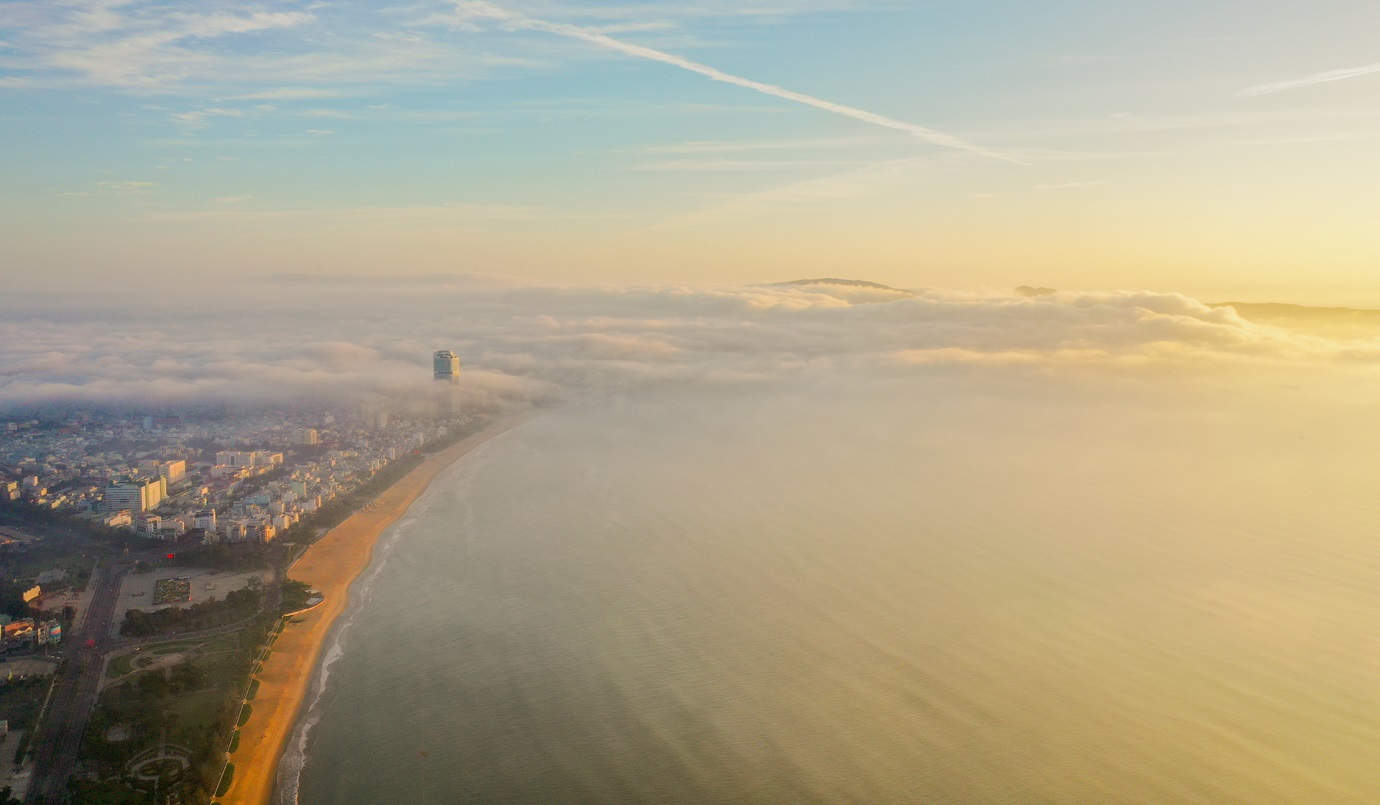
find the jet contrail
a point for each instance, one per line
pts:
(521, 21)
(1319, 78)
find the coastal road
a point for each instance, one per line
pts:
(59, 738)
(58, 741)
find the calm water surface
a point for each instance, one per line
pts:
(905, 592)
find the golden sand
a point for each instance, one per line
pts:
(330, 566)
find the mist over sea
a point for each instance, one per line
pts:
(929, 588)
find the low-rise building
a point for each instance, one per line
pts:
(147, 525)
(205, 519)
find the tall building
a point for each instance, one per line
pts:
(136, 496)
(446, 365)
(305, 437)
(173, 471)
(235, 458)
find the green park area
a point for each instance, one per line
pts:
(167, 715)
(21, 699)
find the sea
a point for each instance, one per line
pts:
(941, 588)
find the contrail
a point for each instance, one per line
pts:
(1319, 78)
(479, 9)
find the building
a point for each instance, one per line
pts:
(446, 365)
(446, 370)
(137, 496)
(205, 519)
(234, 458)
(19, 632)
(265, 458)
(148, 525)
(9, 490)
(118, 519)
(172, 471)
(49, 632)
(305, 437)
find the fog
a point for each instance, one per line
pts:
(313, 341)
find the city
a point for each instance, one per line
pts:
(160, 546)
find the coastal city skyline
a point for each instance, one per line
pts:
(810, 401)
(1224, 152)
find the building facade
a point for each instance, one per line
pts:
(446, 366)
(136, 496)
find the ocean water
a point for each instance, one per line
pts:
(885, 591)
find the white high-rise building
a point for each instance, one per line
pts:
(305, 437)
(446, 366)
(446, 369)
(136, 496)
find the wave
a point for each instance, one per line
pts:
(294, 760)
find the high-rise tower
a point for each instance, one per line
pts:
(446, 369)
(447, 366)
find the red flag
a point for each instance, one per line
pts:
(172, 556)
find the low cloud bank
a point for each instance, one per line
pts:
(294, 341)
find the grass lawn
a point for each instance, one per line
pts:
(245, 714)
(20, 701)
(226, 779)
(253, 690)
(227, 643)
(234, 742)
(170, 648)
(120, 666)
(196, 710)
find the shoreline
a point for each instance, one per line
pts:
(330, 565)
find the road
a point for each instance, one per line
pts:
(59, 737)
(58, 740)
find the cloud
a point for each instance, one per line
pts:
(201, 118)
(470, 11)
(1312, 80)
(1071, 185)
(858, 182)
(210, 25)
(290, 94)
(405, 216)
(239, 52)
(304, 340)
(109, 188)
(127, 187)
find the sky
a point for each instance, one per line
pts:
(1223, 150)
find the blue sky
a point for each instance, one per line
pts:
(1225, 148)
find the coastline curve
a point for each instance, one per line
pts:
(300, 664)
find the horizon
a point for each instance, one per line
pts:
(857, 400)
(1223, 153)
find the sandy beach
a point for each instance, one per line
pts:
(330, 565)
